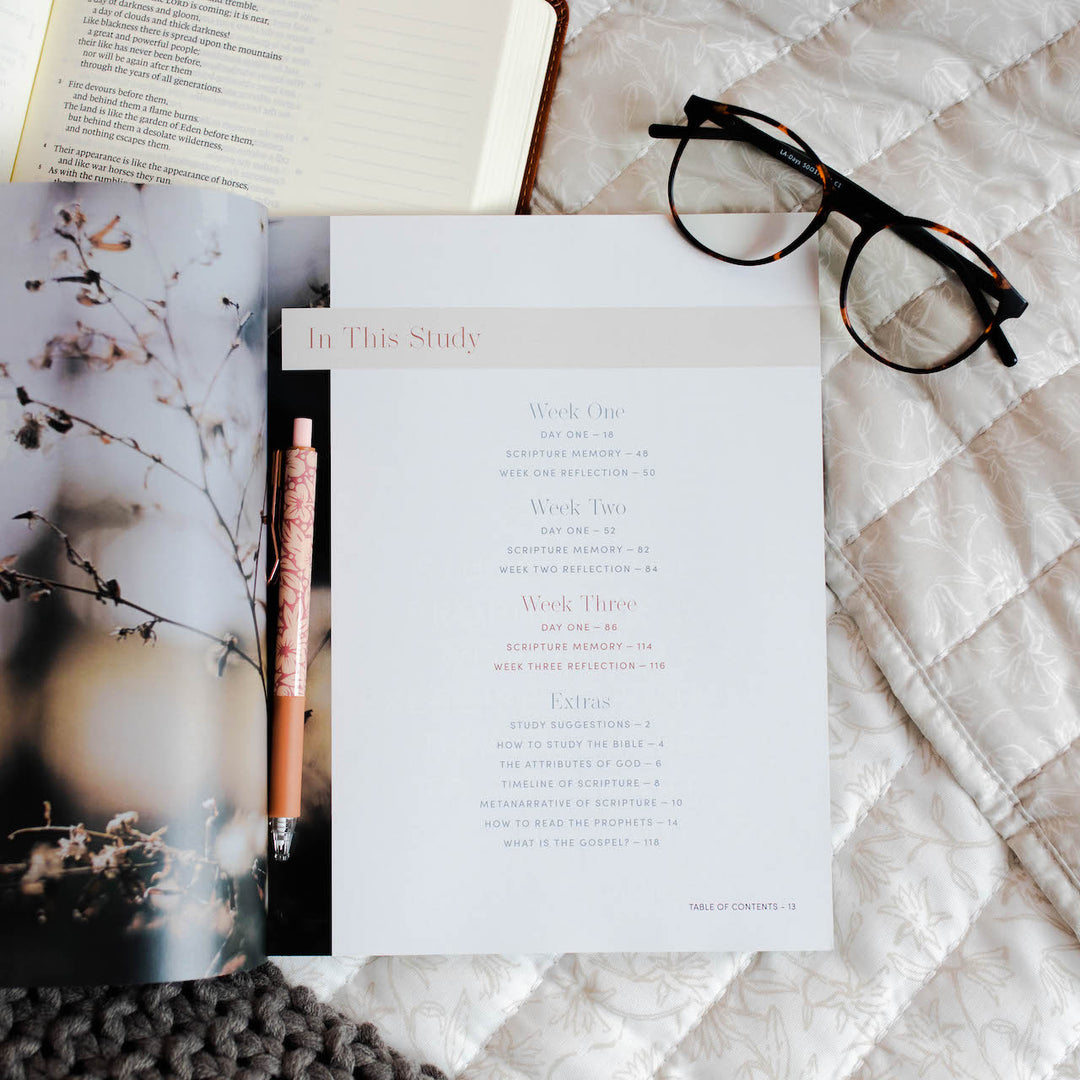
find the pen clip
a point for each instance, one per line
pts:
(273, 522)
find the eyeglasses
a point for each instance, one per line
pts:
(915, 295)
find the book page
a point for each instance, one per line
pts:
(132, 652)
(577, 592)
(308, 107)
(22, 31)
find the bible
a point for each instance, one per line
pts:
(307, 107)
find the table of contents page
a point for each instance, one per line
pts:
(578, 687)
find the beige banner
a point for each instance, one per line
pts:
(355, 338)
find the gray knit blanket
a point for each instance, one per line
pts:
(247, 1026)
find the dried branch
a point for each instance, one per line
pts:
(123, 867)
(13, 582)
(62, 421)
(98, 291)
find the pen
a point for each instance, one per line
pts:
(290, 653)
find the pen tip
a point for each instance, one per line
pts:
(282, 831)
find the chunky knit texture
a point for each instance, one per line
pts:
(249, 1025)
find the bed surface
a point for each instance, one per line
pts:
(952, 580)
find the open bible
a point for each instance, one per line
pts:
(309, 107)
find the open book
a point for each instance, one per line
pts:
(572, 517)
(309, 107)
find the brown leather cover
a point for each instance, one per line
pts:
(562, 16)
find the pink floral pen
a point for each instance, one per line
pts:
(290, 657)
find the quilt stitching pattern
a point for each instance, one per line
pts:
(868, 808)
(651, 147)
(894, 1049)
(745, 962)
(984, 82)
(961, 448)
(952, 950)
(538, 982)
(1019, 594)
(1049, 763)
(946, 712)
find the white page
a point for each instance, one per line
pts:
(579, 681)
(22, 30)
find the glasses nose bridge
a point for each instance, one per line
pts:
(846, 198)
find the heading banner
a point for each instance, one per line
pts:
(358, 338)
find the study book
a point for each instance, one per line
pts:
(568, 522)
(315, 107)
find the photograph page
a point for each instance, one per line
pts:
(579, 675)
(133, 664)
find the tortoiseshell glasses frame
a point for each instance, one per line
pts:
(995, 300)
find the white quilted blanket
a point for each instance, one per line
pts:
(953, 570)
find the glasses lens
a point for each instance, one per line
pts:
(732, 176)
(908, 301)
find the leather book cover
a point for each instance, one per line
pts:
(562, 15)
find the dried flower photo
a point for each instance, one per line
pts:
(133, 662)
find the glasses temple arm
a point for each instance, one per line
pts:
(735, 128)
(998, 341)
(978, 281)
